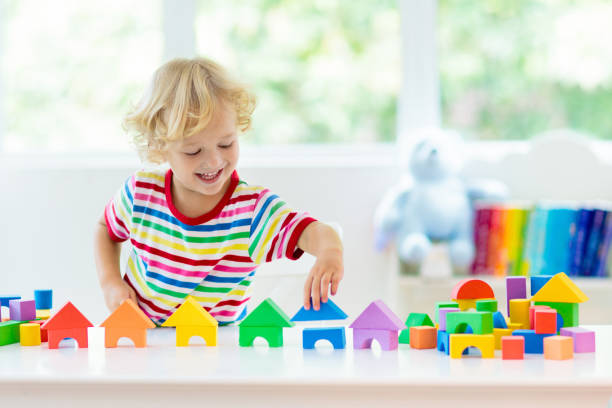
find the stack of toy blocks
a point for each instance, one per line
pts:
(267, 320)
(376, 322)
(68, 322)
(414, 320)
(128, 320)
(191, 319)
(327, 311)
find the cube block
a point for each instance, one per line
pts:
(545, 321)
(558, 348)
(513, 347)
(584, 340)
(423, 337)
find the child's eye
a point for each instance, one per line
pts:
(227, 146)
(194, 153)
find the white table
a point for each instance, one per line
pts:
(227, 375)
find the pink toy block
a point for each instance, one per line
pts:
(22, 309)
(513, 347)
(362, 338)
(545, 321)
(442, 316)
(532, 310)
(584, 340)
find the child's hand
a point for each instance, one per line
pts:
(328, 269)
(115, 292)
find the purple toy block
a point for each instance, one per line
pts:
(22, 309)
(442, 316)
(378, 316)
(516, 288)
(584, 340)
(362, 338)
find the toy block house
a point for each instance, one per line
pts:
(126, 321)
(561, 294)
(328, 311)
(267, 320)
(191, 319)
(376, 322)
(68, 322)
(468, 291)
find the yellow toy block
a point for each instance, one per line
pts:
(560, 288)
(185, 333)
(499, 333)
(484, 342)
(519, 312)
(29, 334)
(515, 326)
(467, 304)
(191, 319)
(43, 314)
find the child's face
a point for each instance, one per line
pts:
(204, 162)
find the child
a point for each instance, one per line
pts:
(198, 229)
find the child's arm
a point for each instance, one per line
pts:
(323, 242)
(107, 253)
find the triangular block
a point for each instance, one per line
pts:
(128, 315)
(328, 311)
(378, 316)
(560, 288)
(190, 313)
(68, 317)
(267, 314)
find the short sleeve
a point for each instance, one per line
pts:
(118, 211)
(275, 229)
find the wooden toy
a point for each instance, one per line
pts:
(487, 305)
(584, 340)
(127, 321)
(567, 312)
(327, 311)
(4, 300)
(376, 322)
(499, 321)
(516, 288)
(560, 288)
(43, 333)
(335, 335)
(443, 305)
(9, 332)
(22, 309)
(534, 343)
(537, 282)
(545, 321)
(472, 289)
(443, 313)
(558, 348)
(498, 334)
(43, 314)
(513, 347)
(68, 322)
(479, 322)
(266, 320)
(484, 342)
(414, 319)
(29, 334)
(43, 299)
(519, 312)
(532, 310)
(423, 337)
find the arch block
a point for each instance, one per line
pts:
(484, 342)
(273, 335)
(335, 335)
(480, 322)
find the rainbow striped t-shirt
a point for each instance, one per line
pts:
(212, 257)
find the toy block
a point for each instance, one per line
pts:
(29, 334)
(499, 333)
(467, 304)
(484, 342)
(4, 300)
(68, 322)
(362, 338)
(423, 337)
(584, 340)
(513, 347)
(9, 332)
(537, 282)
(479, 322)
(499, 321)
(532, 310)
(378, 316)
(327, 311)
(273, 335)
(515, 326)
(43, 314)
(560, 288)
(558, 348)
(22, 309)
(191, 313)
(443, 305)
(43, 333)
(128, 320)
(519, 312)
(335, 335)
(267, 314)
(516, 288)
(414, 319)
(568, 312)
(545, 321)
(185, 333)
(443, 313)
(43, 298)
(443, 343)
(534, 343)
(488, 305)
(472, 289)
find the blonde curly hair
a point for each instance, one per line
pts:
(181, 100)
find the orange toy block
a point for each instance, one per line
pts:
(472, 289)
(558, 348)
(545, 321)
(423, 337)
(513, 347)
(127, 321)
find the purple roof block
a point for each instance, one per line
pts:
(378, 316)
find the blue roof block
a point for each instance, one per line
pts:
(328, 311)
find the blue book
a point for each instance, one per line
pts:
(592, 245)
(584, 221)
(534, 244)
(556, 257)
(601, 259)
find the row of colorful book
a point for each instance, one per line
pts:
(542, 239)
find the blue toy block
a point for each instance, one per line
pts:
(43, 299)
(335, 335)
(499, 321)
(534, 343)
(4, 300)
(538, 281)
(444, 345)
(327, 311)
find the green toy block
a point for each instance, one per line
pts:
(414, 319)
(488, 305)
(480, 322)
(567, 311)
(267, 314)
(441, 305)
(273, 335)
(9, 332)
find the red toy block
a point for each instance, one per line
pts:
(513, 347)
(68, 322)
(423, 337)
(43, 332)
(545, 321)
(472, 289)
(532, 310)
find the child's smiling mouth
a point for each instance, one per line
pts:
(211, 177)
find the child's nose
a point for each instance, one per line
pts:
(212, 160)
